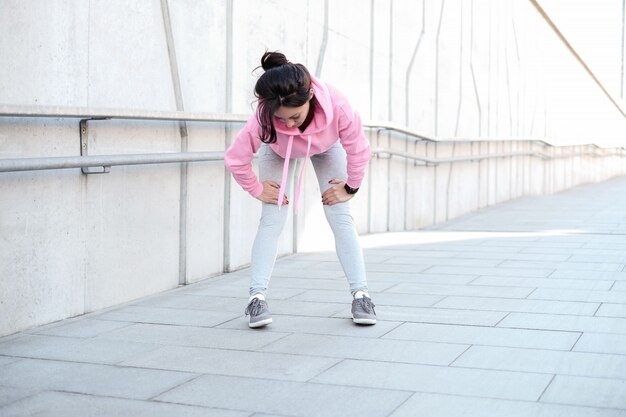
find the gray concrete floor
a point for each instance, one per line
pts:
(517, 310)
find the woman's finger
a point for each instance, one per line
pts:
(328, 193)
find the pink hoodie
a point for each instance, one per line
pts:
(333, 120)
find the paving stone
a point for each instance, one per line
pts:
(454, 261)
(316, 325)
(285, 397)
(515, 256)
(435, 315)
(407, 300)
(86, 327)
(489, 248)
(619, 286)
(420, 278)
(510, 304)
(437, 379)
(237, 283)
(583, 284)
(157, 315)
(592, 275)
(296, 263)
(564, 266)
(537, 244)
(566, 323)
(233, 362)
(368, 349)
(489, 336)
(51, 325)
(5, 360)
(235, 291)
(191, 301)
(618, 258)
(586, 238)
(10, 395)
(93, 379)
(601, 343)
(574, 251)
(478, 246)
(379, 299)
(299, 307)
(10, 337)
(593, 392)
(612, 310)
(544, 361)
(322, 284)
(426, 239)
(315, 256)
(241, 276)
(371, 257)
(322, 296)
(194, 336)
(64, 404)
(386, 267)
(269, 415)
(439, 405)
(321, 273)
(73, 349)
(605, 245)
(578, 295)
(415, 251)
(484, 291)
(514, 272)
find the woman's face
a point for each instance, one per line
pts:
(292, 116)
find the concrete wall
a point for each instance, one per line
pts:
(464, 70)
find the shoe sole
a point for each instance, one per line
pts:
(260, 323)
(364, 321)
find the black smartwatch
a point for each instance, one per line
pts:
(349, 189)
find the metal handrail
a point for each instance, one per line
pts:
(125, 114)
(133, 114)
(465, 158)
(468, 158)
(106, 161)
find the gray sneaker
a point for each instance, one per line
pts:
(363, 311)
(259, 313)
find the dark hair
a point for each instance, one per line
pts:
(282, 84)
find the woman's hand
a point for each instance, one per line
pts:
(335, 195)
(270, 193)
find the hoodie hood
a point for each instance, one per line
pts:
(323, 112)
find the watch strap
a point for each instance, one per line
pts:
(349, 189)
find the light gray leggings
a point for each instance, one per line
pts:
(328, 165)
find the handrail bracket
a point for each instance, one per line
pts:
(84, 147)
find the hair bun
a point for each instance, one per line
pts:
(273, 59)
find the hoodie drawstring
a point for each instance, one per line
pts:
(302, 171)
(283, 183)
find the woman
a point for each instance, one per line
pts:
(298, 116)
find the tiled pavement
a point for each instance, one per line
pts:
(518, 310)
